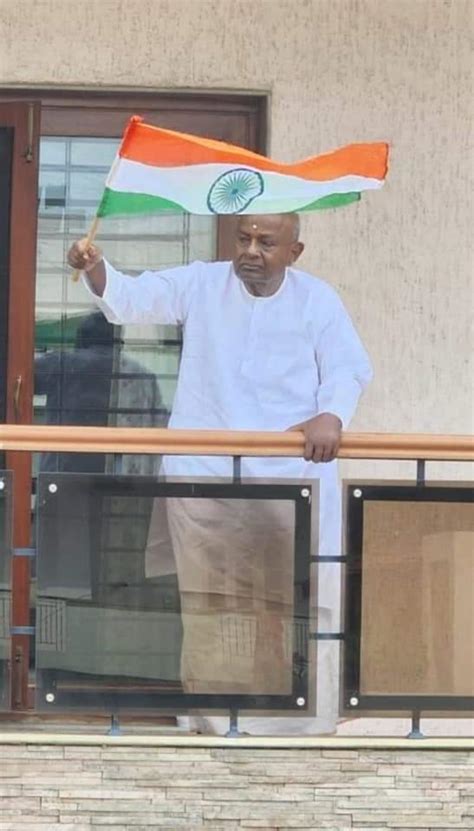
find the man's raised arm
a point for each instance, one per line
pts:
(150, 297)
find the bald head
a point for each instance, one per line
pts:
(294, 221)
(265, 245)
(282, 223)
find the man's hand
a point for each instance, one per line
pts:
(322, 437)
(83, 255)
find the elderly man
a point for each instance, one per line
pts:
(265, 347)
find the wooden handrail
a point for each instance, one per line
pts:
(64, 439)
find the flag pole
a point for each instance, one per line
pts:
(89, 240)
(131, 124)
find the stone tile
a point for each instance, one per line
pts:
(107, 793)
(254, 793)
(300, 821)
(284, 813)
(182, 794)
(24, 820)
(20, 803)
(40, 824)
(10, 790)
(143, 822)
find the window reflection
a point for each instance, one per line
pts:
(72, 175)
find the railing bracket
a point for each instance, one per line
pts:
(415, 732)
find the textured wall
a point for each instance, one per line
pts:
(119, 788)
(337, 71)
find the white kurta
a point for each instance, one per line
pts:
(251, 363)
(254, 363)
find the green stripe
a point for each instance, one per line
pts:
(334, 200)
(115, 202)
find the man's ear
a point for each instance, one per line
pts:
(297, 249)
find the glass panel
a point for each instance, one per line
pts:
(86, 370)
(87, 152)
(114, 629)
(417, 598)
(5, 586)
(53, 151)
(86, 186)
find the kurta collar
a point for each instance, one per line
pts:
(253, 297)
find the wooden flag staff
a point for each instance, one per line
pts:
(95, 225)
(89, 239)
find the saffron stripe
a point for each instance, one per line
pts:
(166, 148)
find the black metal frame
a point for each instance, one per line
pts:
(114, 701)
(356, 495)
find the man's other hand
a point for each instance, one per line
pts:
(322, 436)
(84, 256)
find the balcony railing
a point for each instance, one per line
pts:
(229, 443)
(113, 629)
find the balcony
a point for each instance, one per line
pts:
(112, 631)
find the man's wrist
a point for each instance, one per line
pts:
(331, 415)
(90, 266)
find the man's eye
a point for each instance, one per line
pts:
(268, 244)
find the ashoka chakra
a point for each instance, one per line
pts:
(234, 190)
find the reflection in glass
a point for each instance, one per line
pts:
(111, 617)
(72, 176)
(92, 152)
(52, 192)
(417, 598)
(234, 559)
(86, 187)
(79, 385)
(5, 587)
(53, 152)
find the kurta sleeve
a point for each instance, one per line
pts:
(344, 365)
(152, 297)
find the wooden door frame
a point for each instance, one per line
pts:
(24, 119)
(241, 119)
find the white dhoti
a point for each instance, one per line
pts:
(235, 565)
(235, 570)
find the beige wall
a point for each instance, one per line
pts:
(337, 71)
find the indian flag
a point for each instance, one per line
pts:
(162, 171)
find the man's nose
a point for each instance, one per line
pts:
(253, 249)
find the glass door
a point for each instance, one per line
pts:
(66, 364)
(89, 372)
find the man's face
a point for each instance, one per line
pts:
(264, 246)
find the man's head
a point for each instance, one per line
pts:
(94, 331)
(264, 246)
